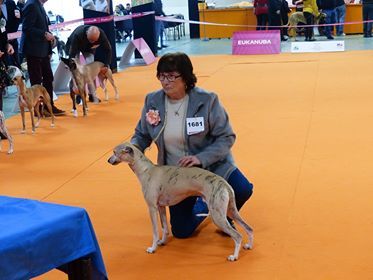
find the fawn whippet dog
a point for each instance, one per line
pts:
(30, 98)
(85, 75)
(168, 185)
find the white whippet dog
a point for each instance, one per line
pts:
(168, 185)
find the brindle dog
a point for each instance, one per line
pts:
(85, 75)
(168, 185)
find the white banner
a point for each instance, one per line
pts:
(318, 46)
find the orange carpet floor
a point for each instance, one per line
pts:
(305, 139)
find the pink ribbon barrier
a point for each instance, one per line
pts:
(52, 27)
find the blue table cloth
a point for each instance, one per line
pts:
(36, 237)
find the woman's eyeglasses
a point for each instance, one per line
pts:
(170, 78)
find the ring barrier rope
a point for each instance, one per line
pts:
(52, 27)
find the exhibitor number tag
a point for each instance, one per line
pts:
(195, 125)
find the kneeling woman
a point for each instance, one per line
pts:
(190, 128)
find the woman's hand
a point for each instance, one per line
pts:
(1, 53)
(10, 49)
(189, 161)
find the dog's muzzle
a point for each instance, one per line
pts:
(113, 160)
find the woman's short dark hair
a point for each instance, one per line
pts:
(178, 62)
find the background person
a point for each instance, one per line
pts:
(37, 47)
(86, 39)
(274, 16)
(165, 120)
(159, 25)
(5, 49)
(12, 16)
(328, 8)
(310, 10)
(261, 13)
(367, 15)
(340, 11)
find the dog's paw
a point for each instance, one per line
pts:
(161, 242)
(75, 113)
(248, 246)
(231, 258)
(150, 250)
(23, 131)
(10, 151)
(52, 125)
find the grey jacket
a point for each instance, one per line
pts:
(212, 146)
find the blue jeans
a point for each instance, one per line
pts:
(159, 29)
(330, 19)
(183, 217)
(367, 15)
(340, 16)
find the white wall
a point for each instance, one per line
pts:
(69, 9)
(225, 3)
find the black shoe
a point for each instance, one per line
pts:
(78, 99)
(92, 99)
(57, 112)
(284, 39)
(306, 39)
(164, 46)
(312, 39)
(330, 37)
(159, 48)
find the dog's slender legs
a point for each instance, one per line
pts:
(163, 216)
(111, 80)
(104, 85)
(249, 231)
(219, 217)
(73, 98)
(48, 102)
(37, 111)
(32, 111)
(23, 118)
(10, 140)
(153, 216)
(84, 100)
(220, 220)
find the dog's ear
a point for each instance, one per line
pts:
(72, 64)
(69, 62)
(65, 60)
(128, 150)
